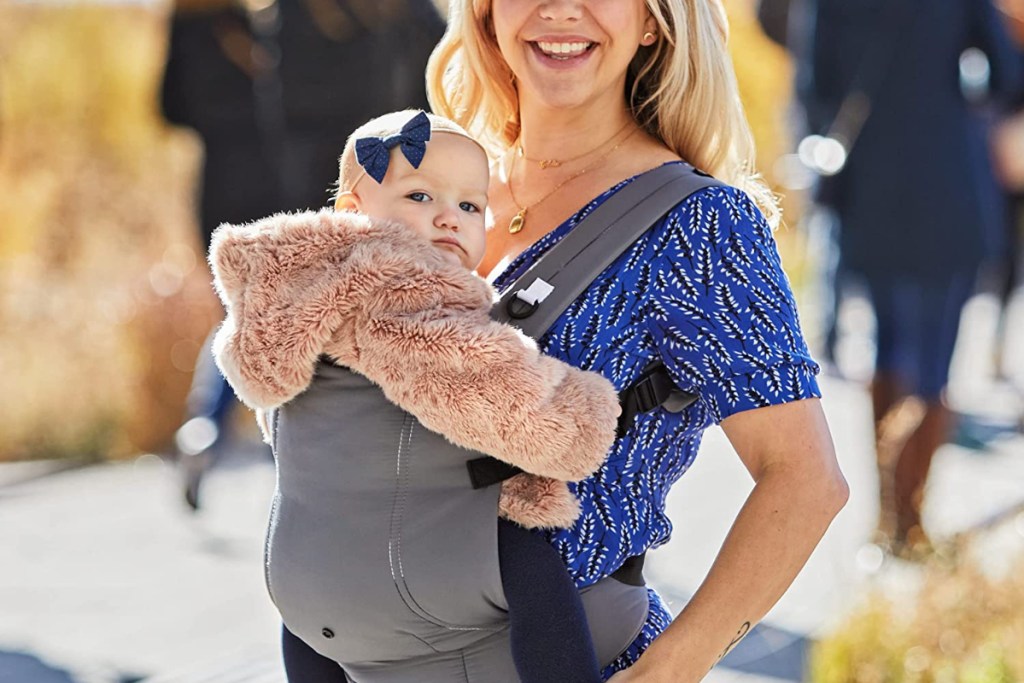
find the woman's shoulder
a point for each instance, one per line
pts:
(715, 214)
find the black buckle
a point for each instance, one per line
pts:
(487, 471)
(519, 309)
(646, 394)
(654, 388)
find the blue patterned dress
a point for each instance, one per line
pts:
(703, 289)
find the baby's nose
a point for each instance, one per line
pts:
(447, 218)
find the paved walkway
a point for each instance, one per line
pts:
(106, 578)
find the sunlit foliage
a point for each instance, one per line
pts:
(104, 298)
(958, 626)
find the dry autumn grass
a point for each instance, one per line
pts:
(958, 626)
(103, 295)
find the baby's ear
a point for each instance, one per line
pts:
(347, 201)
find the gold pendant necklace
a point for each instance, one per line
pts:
(518, 221)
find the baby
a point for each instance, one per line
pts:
(383, 286)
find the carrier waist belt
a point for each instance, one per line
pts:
(631, 572)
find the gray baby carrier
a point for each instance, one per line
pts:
(382, 550)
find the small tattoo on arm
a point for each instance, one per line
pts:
(744, 630)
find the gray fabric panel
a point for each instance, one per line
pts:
(616, 613)
(419, 573)
(486, 661)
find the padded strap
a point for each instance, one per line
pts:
(557, 278)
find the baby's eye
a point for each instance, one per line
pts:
(469, 207)
(418, 196)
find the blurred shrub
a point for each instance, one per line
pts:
(104, 298)
(960, 626)
(765, 74)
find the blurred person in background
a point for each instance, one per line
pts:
(339, 64)
(212, 64)
(1008, 148)
(916, 201)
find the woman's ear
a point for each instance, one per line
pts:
(347, 201)
(650, 36)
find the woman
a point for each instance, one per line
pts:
(576, 97)
(918, 180)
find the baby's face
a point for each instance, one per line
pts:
(443, 200)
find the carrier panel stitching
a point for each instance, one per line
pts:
(395, 539)
(395, 542)
(395, 513)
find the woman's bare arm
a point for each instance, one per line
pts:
(799, 490)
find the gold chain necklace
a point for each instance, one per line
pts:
(518, 221)
(545, 164)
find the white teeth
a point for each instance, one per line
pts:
(564, 49)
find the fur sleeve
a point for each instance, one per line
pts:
(486, 387)
(385, 303)
(292, 284)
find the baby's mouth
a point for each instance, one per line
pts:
(449, 243)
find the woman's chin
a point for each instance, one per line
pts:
(567, 90)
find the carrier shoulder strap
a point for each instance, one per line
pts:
(556, 279)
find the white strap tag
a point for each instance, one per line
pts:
(535, 293)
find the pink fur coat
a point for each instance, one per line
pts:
(380, 300)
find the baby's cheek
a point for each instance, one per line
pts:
(450, 255)
(476, 244)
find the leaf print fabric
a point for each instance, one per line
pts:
(704, 291)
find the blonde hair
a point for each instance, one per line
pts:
(349, 170)
(682, 89)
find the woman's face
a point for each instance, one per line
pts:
(570, 53)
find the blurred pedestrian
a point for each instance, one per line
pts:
(339, 63)
(916, 200)
(1008, 148)
(212, 64)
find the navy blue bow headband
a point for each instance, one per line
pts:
(374, 154)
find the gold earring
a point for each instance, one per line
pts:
(649, 38)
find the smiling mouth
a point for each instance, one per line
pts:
(563, 51)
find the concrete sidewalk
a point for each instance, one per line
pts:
(105, 577)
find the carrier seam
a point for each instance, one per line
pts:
(274, 419)
(395, 542)
(392, 550)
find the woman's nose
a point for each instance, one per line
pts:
(561, 10)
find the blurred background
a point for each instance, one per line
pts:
(134, 493)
